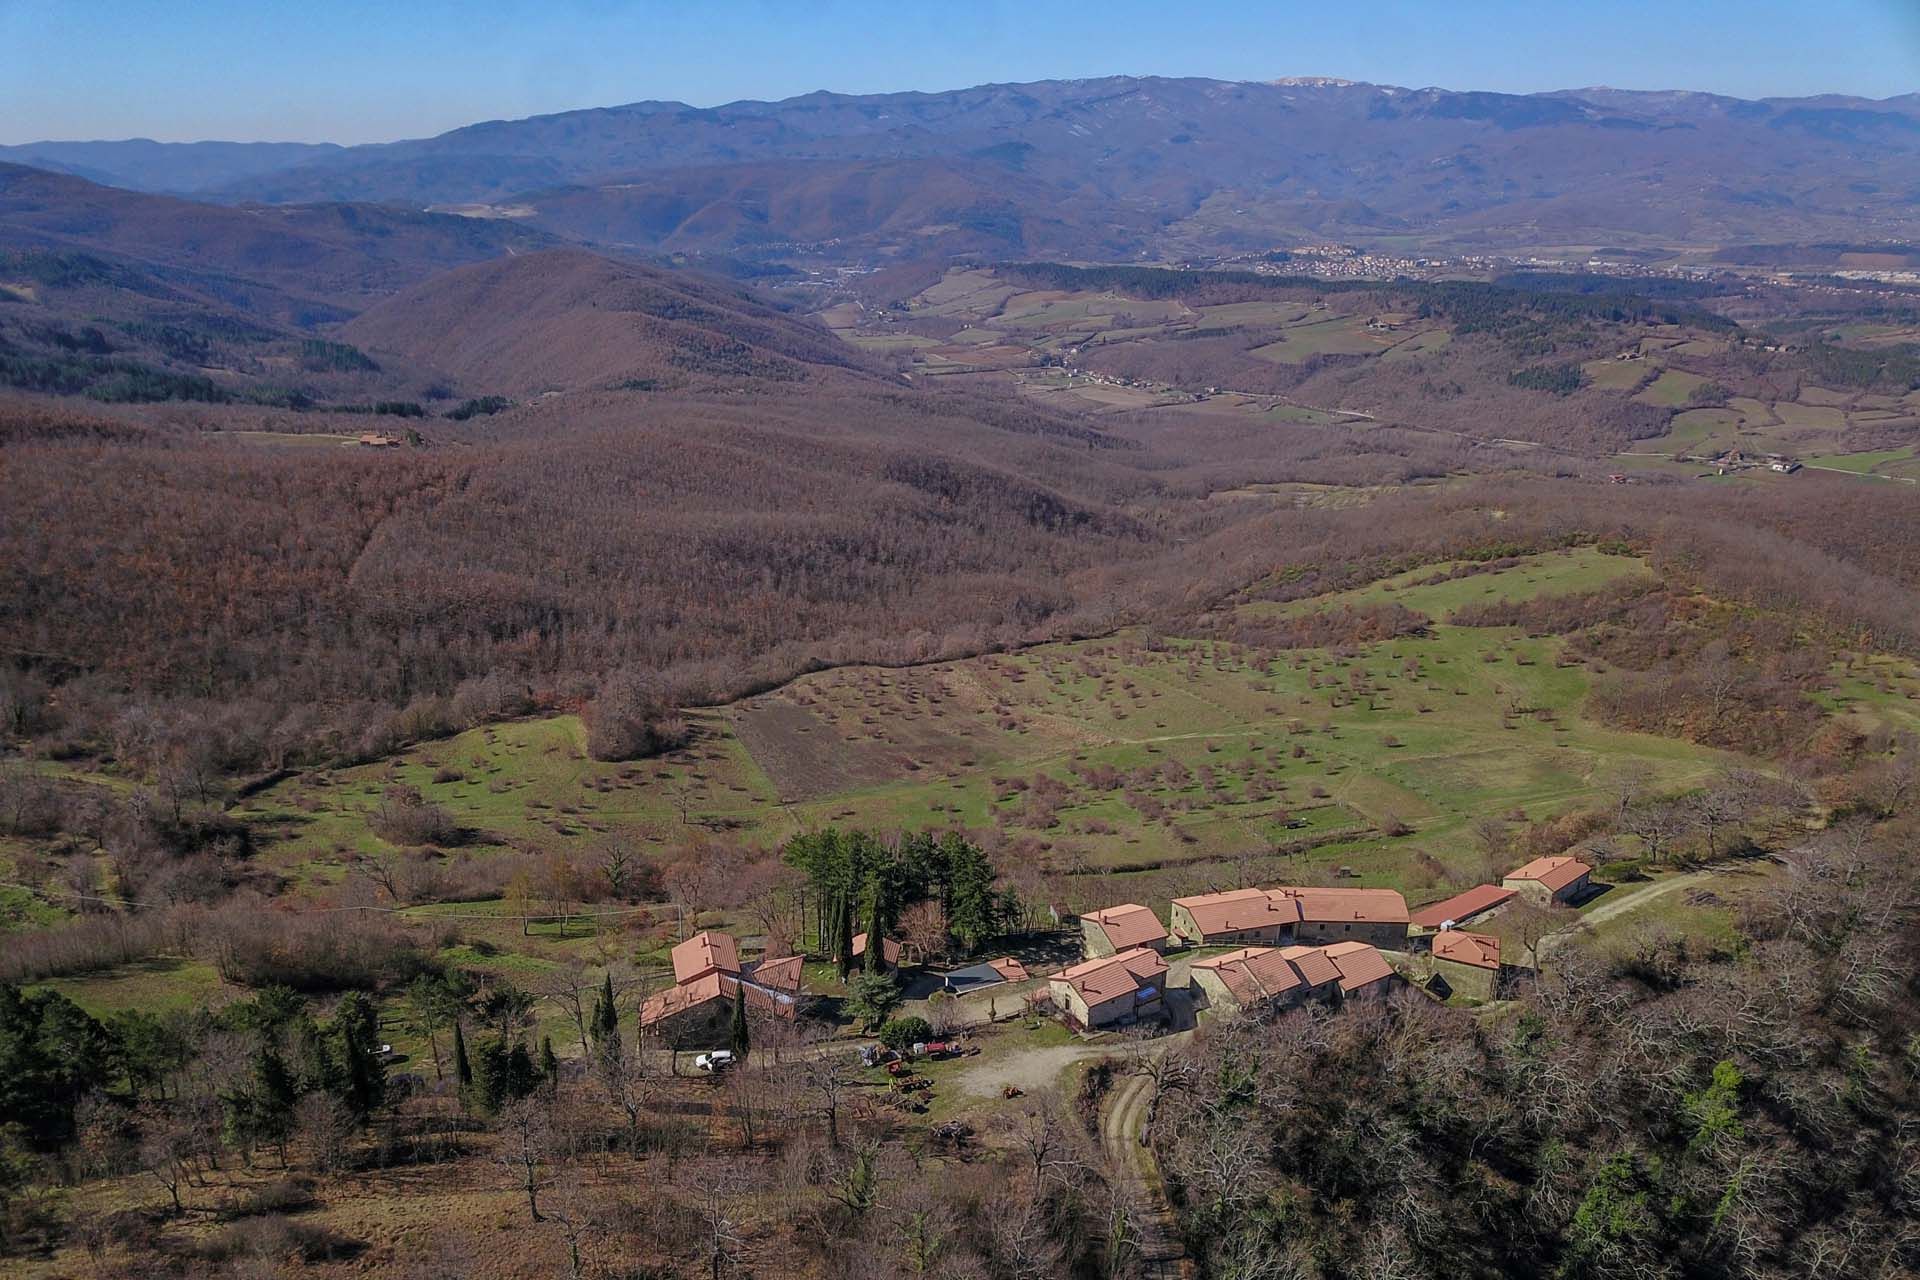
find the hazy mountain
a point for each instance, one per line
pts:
(178, 167)
(1124, 164)
(338, 255)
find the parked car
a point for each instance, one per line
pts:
(717, 1061)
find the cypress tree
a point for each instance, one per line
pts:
(605, 1025)
(876, 952)
(549, 1065)
(739, 1040)
(843, 944)
(462, 1067)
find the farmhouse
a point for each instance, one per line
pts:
(1374, 916)
(1468, 962)
(1363, 970)
(1264, 979)
(1238, 915)
(1476, 904)
(889, 950)
(1550, 880)
(1111, 930)
(1113, 990)
(699, 1014)
(1274, 916)
(704, 953)
(697, 1010)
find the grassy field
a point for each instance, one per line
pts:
(1672, 388)
(1108, 756)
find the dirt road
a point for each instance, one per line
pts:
(1630, 903)
(1122, 1124)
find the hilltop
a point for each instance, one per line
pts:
(567, 319)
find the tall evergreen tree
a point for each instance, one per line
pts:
(604, 1028)
(549, 1065)
(462, 1065)
(739, 1041)
(843, 953)
(876, 932)
(363, 1084)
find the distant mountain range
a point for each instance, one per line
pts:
(1113, 167)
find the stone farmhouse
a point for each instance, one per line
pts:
(1111, 991)
(1551, 880)
(1111, 930)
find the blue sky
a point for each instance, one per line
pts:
(357, 71)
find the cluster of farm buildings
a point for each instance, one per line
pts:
(1297, 945)
(1290, 946)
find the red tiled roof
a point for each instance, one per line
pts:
(1313, 964)
(1359, 965)
(1009, 969)
(1238, 910)
(1463, 906)
(1099, 981)
(706, 988)
(1480, 950)
(1330, 906)
(705, 952)
(1255, 973)
(1555, 873)
(782, 974)
(1128, 925)
(889, 949)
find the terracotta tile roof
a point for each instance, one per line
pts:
(1110, 977)
(705, 952)
(1555, 873)
(1255, 974)
(1313, 964)
(708, 987)
(1332, 906)
(782, 974)
(1481, 950)
(1359, 965)
(1463, 906)
(1128, 925)
(1237, 910)
(1010, 969)
(889, 949)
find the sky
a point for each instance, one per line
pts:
(377, 70)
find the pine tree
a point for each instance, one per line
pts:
(739, 1042)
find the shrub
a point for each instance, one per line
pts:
(403, 817)
(275, 1239)
(630, 719)
(901, 1034)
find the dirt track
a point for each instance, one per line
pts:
(1121, 1124)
